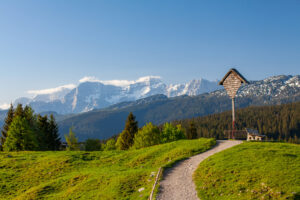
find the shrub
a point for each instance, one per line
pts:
(92, 145)
(110, 145)
(171, 133)
(147, 136)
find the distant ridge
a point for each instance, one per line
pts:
(104, 123)
(91, 93)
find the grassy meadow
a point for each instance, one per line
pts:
(252, 170)
(90, 175)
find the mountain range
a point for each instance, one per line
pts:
(158, 109)
(151, 101)
(92, 94)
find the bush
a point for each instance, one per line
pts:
(110, 145)
(149, 135)
(171, 133)
(92, 145)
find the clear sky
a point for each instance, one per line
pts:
(45, 44)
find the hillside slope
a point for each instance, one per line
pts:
(159, 109)
(90, 175)
(252, 170)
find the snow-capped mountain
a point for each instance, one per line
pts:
(91, 93)
(159, 109)
(276, 87)
(47, 95)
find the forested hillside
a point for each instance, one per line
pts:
(157, 109)
(277, 122)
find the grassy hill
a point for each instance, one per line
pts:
(89, 175)
(252, 170)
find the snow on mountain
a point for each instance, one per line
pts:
(273, 87)
(92, 93)
(193, 88)
(52, 94)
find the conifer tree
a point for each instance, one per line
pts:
(29, 115)
(43, 132)
(72, 141)
(192, 131)
(125, 140)
(19, 111)
(20, 136)
(7, 122)
(54, 136)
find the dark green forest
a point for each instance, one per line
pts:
(280, 122)
(158, 109)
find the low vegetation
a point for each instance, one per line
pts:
(148, 135)
(252, 170)
(90, 175)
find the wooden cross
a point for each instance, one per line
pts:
(232, 81)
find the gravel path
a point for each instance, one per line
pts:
(177, 183)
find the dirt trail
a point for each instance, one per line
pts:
(177, 183)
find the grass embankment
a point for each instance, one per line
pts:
(252, 170)
(89, 175)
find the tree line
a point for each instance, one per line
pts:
(25, 130)
(133, 137)
(278, 123)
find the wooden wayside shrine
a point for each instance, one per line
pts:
(232, 81)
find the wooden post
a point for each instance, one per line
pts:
(233, 119)
(232, 81)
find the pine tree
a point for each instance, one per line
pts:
(29, 115)
(54, 136)
(72, 141)
(125, 140)
(42, 132)
(19, 111)
(192, 131)
(7, 122)
(20, 136)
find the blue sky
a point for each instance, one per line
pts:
(45, 44)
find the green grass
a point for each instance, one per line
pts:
(89, 175)
(252, 170)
